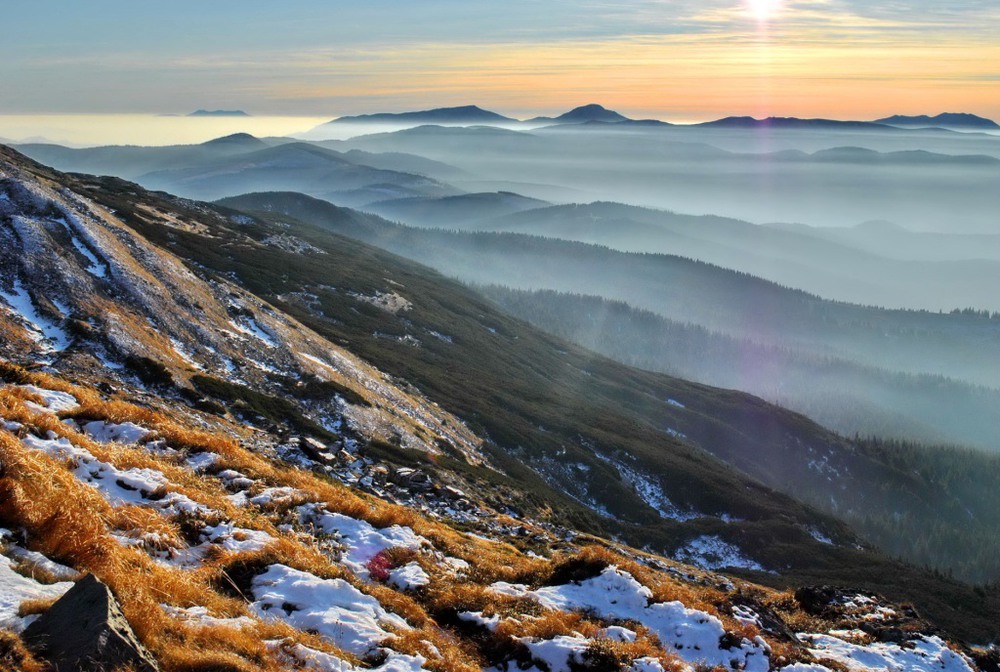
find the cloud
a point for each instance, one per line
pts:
(652, 55)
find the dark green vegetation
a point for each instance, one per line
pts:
(254, 404)
(956, 531)
(549, 408)
(954, 505)
(819, 338)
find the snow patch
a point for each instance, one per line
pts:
(118, 486)
(200, 616)
(44, 329)
(250, 326)
(559, 654)
(361, 540)
(926, 654)
(712, 552)
(408, 577)
(650, 492)
(108, 432)
(15, 589)
(333, 608)
(52, 400)
(94, 265)
(477, 617)
(693, 635)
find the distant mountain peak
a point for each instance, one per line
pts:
(236, 139)
(944, 120)
(592, 112)
(218, 113)
(585, 114)
(463, 114)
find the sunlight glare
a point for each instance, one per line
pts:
(764, 10)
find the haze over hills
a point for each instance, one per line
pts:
(802, 257)
(791, 123)
(454, 211)
(893, 241)
(679, 169)
(930, 181)
(239, 163)
(737, 305)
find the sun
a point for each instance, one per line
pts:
(763, 10)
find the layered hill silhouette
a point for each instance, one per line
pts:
(908, 343)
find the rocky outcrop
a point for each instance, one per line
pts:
(85, 630)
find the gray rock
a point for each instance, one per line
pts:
(412, 479)
(314, 445)
(85, 630)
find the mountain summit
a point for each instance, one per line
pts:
(584, 114)
(956, 120)
(218, 113)
(466, 114)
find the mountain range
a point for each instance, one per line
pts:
(472, 115)
(962, 121)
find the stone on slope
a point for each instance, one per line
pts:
(85, 630)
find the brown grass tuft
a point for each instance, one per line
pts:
(14, 656)
(32, 607)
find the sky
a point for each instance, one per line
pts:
(674, 60)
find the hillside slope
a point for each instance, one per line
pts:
(903, 346)
(553, 431)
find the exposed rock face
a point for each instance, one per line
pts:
(85, 630)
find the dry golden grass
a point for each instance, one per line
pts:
(608, 654)
(14, 657)
(72, 523)
(14, 336)
(31, 607)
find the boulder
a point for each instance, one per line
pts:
(451, 492)
(85, 630)
(310, 444)
(412, 479)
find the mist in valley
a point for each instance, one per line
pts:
(846, 271)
